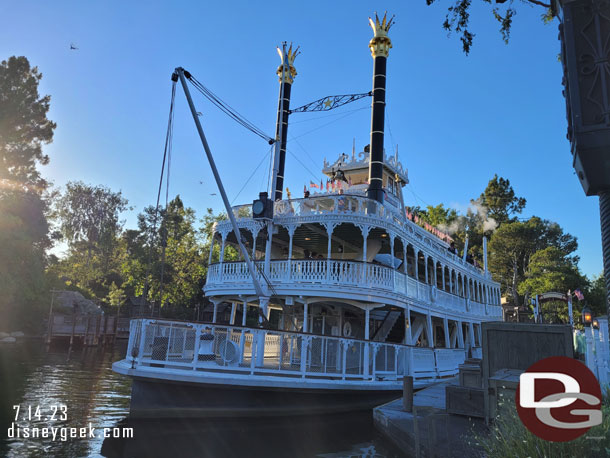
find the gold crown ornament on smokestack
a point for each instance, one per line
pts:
(380, 44)
(291, 73)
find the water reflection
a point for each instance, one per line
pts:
(83, 382)
(331, 436)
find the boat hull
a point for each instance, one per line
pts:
(167, 399)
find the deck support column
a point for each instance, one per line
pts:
(471, 334)
(215, 314)
(242, 337)
(330, 227)
(233, 310)
(367, 315)
(254, 237)
(268, 248)
(460, 334)
(222, 254)
(447, 336)
(291, 230)
(365, 235)
(426, 268)
(211, 250)
(261, 334)
(429, 331)
(408, 335)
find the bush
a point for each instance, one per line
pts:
(509, 438)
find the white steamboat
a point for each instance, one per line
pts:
(352, 295)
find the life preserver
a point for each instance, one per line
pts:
(347, 329)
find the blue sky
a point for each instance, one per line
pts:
(457, 119)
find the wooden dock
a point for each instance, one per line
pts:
(429, 431)
(89, 330)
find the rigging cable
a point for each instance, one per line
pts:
(328, 123)
(164, 227)
(168, 140)
(225, 108)
(300, 162)
(248, 180)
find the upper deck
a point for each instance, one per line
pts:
(349, 246)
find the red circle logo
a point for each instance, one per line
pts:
(558, 399)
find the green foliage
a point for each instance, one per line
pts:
(175, 254)
(514, 244)
(24, 231)
(438, 216)
(458, 18)
(24, 126)
(501, 201)
(508, 438)
(595, 295)
(88, 218)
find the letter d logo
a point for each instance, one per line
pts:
(558, 399)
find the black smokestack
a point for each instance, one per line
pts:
(380, 47)
(286, 75)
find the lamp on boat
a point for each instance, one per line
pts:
(339, 175)
(587, 317)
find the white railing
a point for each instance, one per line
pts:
(349, 204)
(221, 348)
(303, 273)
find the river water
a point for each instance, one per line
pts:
(74, 392)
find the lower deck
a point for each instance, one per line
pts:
(211, 353)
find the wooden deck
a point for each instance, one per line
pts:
(429, 431)
(89, 330)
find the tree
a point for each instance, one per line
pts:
(513, 244)
(438, 215)
(89, 220)
(458, 17)
(24, 231)
(168, 249)
(24, 126)
(595, 295)
(500, 200)
(89, 216)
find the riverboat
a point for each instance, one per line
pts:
(352, 295)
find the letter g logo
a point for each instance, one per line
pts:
(559, 399)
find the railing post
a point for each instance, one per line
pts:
(304, 345)
(142, 337)
(196, 345)
(367, 315)
(253, 351)
(344, 348)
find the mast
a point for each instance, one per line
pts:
(380, 48)
(263, 296)
(286, 72)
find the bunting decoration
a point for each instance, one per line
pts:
(430, 228)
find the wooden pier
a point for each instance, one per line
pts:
(89, 330)
(429, 431)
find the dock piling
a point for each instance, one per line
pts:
(407, 393)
